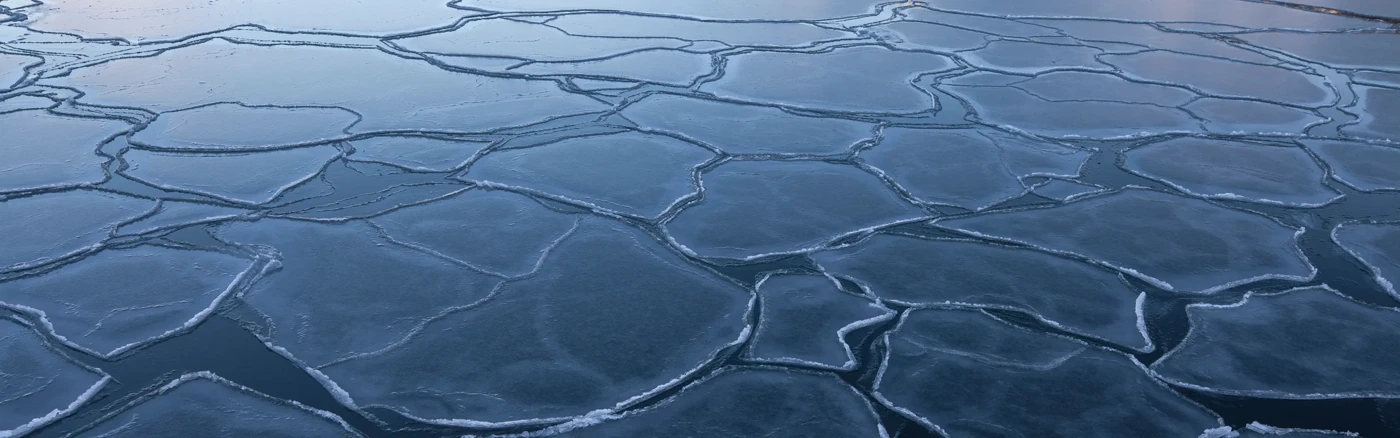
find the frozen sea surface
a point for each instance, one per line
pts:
(729, 218)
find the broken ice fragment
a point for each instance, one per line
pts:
(1064, 190)
(1380, 114)
(831, 80)
(174, 214)
(1225, 77)
(43, 150)
(1365, 167)
(805, 318)
(719, 9)
(232, 126)
(167, 20)
(37, 385)
(522, 41)
(1376, 245)
(746, 129)
(1257, 430)
(1029, 57)
(1234, 170)
(1072, 118)
(242, 177)
(43, 228)
(734, 33)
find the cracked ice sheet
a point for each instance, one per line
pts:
(1364, 167)
(1065, 190)
(417, 153)
(740, 218)
(862, 79)
(43, 150)
(1235, 13)
(612, 314)
(1376, 245)
(174, 214)
(658, 66)
(1065, 293)
(118, 299)
(1222, 169)
(168, 20)
(1380, 114)
(734, 33)
(201, 404)
(753, 402)
(783, 10)
(1180, 244)
(1121, 116)
(1308, 343)
(1338, 50)
(232, 126)
(44, 228)
(805, 318)
(12, 69)
(409, 94)
(746, 129)
(630, 173)
(37, 385)
(1031, 58)
(968, 168)
(503, 38)
(1257, 430)
(243, 177)
(1226, 78)
(970, 375)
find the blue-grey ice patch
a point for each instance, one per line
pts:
(1309, 343)
(612, 315)
(1216, 14)
(408, 94)
(175, 214)
(752, 209)
(243, 177)
(804, 319)
(1074, 296)
(746, 129)
(1067, 86)
(497, 232)
(1226, 77)
(44, 150)
(866, 79)
(204, 404)
(1380, 114)
(996, 26)
(630, 173)
(734, 33)
(657, 66)
(1179, 244)
(1342, 50)
(1031, 58)
(1065, 190)
(929, 36)
(1235, 116)
(23, 102)
(1258, 430)
(748, 402)
(175, 19)
(524, 42)
(1376, 245)
(967, 374)
(1072, 118)
(37, 384)
(1220, 169)
(45, 228)
(345, 289)
(967, 168)
(1141, 36)
(118, 299)
(233, 126)
(1365, 167)
(718, 9)
(12, 69)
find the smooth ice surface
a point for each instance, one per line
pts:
(231, 126)
(1180, 244)
(721, 9)
(1226, 78)
(503, 38)
(824, 81)
(179, 213)
(1074, 295)
(746, 129)
(1362, 166)
(203, 404)
(612, 314)
(162, 20)
(37, 385)
(1376, 245)
(804, 320)
(417, 153)
(970, 375)
(755, 402)
(12, 69)
(735, 33)
(117, 298)
(1064, 190)
(243, 177)
(631, 173)
(1233, 170)
(739, 218)
(1080, 118)
(43, 228)
(1305, 343)
(41, 149)
(1380, 114)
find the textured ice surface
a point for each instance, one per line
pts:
(737, 402)
(742, 129)
(661, 66)
(1028, 57)
(41, 150)
(1362, 166)
(12, 69)
(522, 41)
(659, 170)
(1305, 343)
(925, 35)
(735, 33)
(179, 213)
(970, 375)
(822, 80)
(115, 299)
(43, 228)
(231, 126)
(1087, 118)
(1223, 77)
(1257, 430)
(612, 314)
(1362, 50)
(1233, 170)
(1378, 246)
(1179, 244)
(1063, 190)
(37, 385)
(1076, 296)
(721, 9)
(203, 404)
(1208, 12)
(164, 20)
(243, 177)
(739, 217)
(804, 320)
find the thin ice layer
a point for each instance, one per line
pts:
(417, 153)
(1125, 116)
(611, 315)
(118, 298)
(969, 375)
(1234, 170)
(1365, 167)
(522, 41)
(1308, 343)
(174, 214)
(1075, 296)
(1064, 190)
(1227, 78)
(37, 385)
(746, 129)
(1177, 243)
(12, 69)
(805, 318)
(242, 177)
(751, 402)
(1380, 114)
(44, 150)
(1376, 245)
(660, 66)
(44, 228)
(1257, 430)
(720, 9)
(734, 33)
(856, 79)
(631, 173)
(751, 209)
(202, 404)
(168, 20)
(232, 126)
